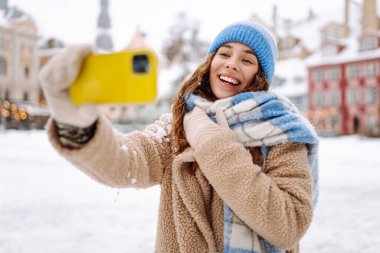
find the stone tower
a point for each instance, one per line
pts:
(103, 39)
(370, 21)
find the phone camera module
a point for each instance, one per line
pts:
(140, 63)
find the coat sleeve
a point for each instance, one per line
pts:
(276, 204)
(137, 159)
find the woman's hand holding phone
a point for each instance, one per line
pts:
(56, 78)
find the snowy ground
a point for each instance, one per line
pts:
(47, 206)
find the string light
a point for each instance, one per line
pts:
(13, 112)
(6, 104)
(23, 115)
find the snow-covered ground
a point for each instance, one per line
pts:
(47, 206)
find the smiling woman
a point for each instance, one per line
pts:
(233, 69)
(237, 164)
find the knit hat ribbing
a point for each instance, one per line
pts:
(255, 36)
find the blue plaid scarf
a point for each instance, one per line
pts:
(260, 119)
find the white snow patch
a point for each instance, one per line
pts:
(124, 147)
(48, 206)
(160, 134)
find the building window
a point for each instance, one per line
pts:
(6, 95)
(333, 121)
(3, 66)
(333, 34)
(334, 74)
(287, 43)
(371, 95)
(278, 81)
(334, 97)
(352, 96)
(368, 43)
(299, 80)
(318, 98)
(338, 33)
(371, 69)
(372, 124)
(26, 72)
(329, 50)
(320, 124)
(318, 76)
(325, 35)
(25, 96)
(353, 71)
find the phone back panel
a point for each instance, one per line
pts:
(125, 77)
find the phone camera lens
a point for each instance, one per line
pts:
(140, 63)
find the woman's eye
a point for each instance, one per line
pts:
(223, 54)
(248, 61)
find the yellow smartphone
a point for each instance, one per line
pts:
(117, 78)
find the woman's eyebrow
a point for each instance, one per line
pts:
(248, 51)
(226, 45)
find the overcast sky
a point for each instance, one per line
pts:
(75, 21)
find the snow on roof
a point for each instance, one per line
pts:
(137, 41)
(14, 14)
(309, 31)
(293, 73)
(350, 54)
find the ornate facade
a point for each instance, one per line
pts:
(18, 57)
(19, 88)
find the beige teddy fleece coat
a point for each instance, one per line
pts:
(275, 201)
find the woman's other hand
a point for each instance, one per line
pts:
(199, 127)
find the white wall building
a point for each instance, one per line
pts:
(18, 56)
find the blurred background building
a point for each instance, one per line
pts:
(328, 66)
(343, 76)
(19, 87)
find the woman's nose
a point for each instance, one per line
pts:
(231, 64)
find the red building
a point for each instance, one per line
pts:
(344, 86)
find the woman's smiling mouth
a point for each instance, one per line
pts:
(229, 80)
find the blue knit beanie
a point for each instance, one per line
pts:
(255, 36)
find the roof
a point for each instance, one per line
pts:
(350, 54)
(309, 30)
(137, 41)
(13, 17)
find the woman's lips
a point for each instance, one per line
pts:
(229, 81)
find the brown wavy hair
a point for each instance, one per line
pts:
(199, 84)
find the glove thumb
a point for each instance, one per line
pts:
(221, 118)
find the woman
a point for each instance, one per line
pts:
(244, 184)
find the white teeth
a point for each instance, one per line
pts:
(228, 79)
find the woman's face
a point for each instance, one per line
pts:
(233, 68)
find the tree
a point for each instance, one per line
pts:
(183, 49)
